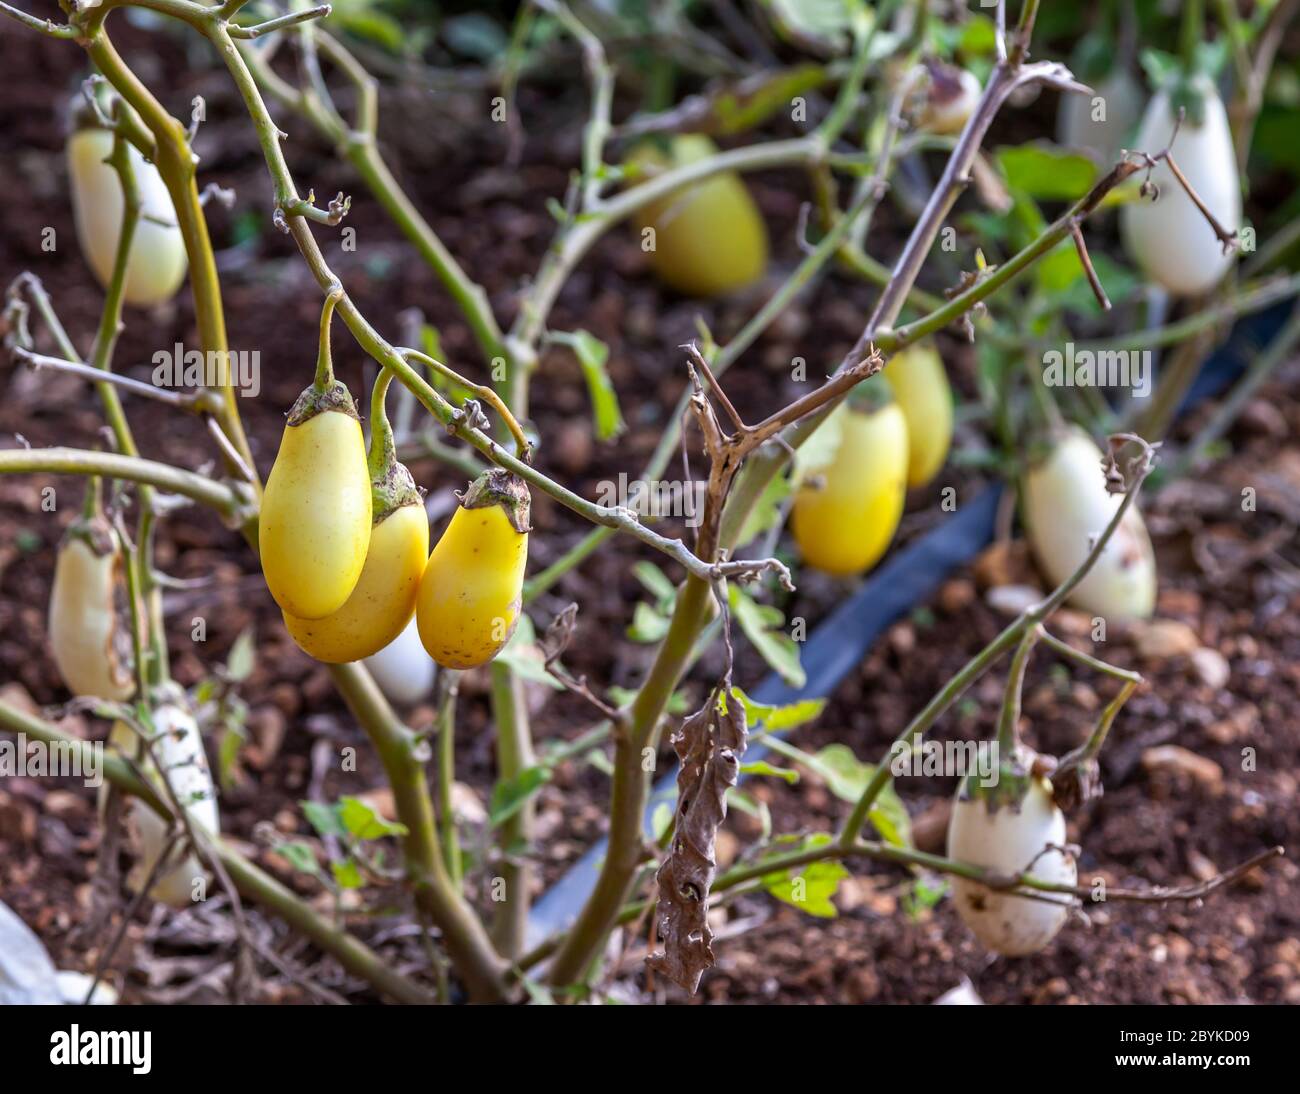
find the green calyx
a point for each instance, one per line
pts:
(1011, 783)
(313, 400)
(391, 483)
(496, 486)
(92, 526)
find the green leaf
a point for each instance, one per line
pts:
(647, 624)
(810, 889)
(767, 508)
(656, 583)
(592, 355)
(762, 767)
(301, 856)
(819, 450)
(524, 658)
(324, 818)
(347, 874)
(601, 762)
(751, 102)
(979, 37)
(818, 24)
(738, 800)
(510, 795)
(847, 777)
(777, 648)
(538, 994)
(360, 819)
(1045, 172)
(239, 664)
(779, 719)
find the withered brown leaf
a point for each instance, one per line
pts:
(709, 746)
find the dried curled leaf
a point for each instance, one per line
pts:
(709, 746)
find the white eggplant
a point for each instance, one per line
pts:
(1065, 506)
(91, 646)
(157, 263)
(178, 748)
(403, 669)
(1170, 239)
(1101, 124)
(1007, 840)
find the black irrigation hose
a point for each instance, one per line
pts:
(906, 580)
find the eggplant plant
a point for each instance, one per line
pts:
(343, 538)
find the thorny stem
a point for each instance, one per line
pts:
(487, 394)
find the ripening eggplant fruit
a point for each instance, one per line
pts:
(91, 645)
(1065, 505)
(704, 239)
(178, 748)
(950, 97)
(919, 382)
(156, 264)
(383, 600)
(1007, 837)
(843, 524)
(403, 669)
(471, 593)
(1169, 238)
(1100, 124)
(314, 527)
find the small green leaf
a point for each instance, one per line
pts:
(524, 658)
(656, 583)
(323, 817)
(593, 355)
(347, 874)
(301, 856)
(777, 648)
(240, 662)
(647, 624)
(1044, 172)
(601, 762)
(360, 819)
(819, 450)
(510, 795)
(767, 509)
(762, 767)
(475, 35)
(776, 719)
(810, 889)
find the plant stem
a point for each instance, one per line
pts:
(1029, 619)
(76, 461)
(514, 757)
(449, 688)
(484, 971)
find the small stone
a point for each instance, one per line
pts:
(1002, 563)
(1202, 868)
(1179, 761)
(956, 595)
(1165, 638)
(467, 805)
(1013, 599)
(1211, 666)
